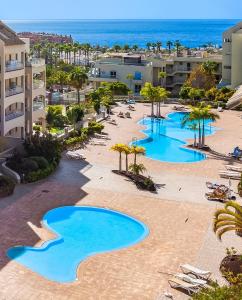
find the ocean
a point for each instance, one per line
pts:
(190, 33)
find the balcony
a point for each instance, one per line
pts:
(178, 70)
(38, 106)
(38, 84)
(14, 91)
(103, 77)
(13, 65)
(13, 115)
(35, 62)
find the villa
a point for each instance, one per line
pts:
(116, 67)
(22, 89)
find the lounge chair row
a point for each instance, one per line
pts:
(192, 279)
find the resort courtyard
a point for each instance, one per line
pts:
(178, 216)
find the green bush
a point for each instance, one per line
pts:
(37, 128)
(94, 127)
(40, 174)
(29, 165)
(7, 186)
(41, 161)
(233, 292)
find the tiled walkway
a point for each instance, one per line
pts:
(179, 223)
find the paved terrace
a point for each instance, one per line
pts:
(178, 216)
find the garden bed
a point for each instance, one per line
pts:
(142, 182)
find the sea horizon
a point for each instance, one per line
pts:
(108, 32)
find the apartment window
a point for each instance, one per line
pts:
(137, 75)
(113, 74)
(137, 88)
(227, 67)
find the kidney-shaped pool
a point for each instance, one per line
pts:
(82, 231)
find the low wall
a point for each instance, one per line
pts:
(8, 172)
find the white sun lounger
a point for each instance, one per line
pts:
(97, 143)
(230, 174)
(189, 279)
(178, 283)
(196, 271)
(74, 155)
(234, 168)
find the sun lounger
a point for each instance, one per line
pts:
(74, 155)
(113, 122)
(97, 143)
(186, 268)
(234, 168)
(214, 186)
(102, 136)
(127, 115)
(230, 174)
(189, 287)
(190, 279)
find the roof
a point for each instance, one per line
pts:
(8, 36)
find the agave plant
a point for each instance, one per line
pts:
(227, 219)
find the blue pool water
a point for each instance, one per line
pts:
(82, 232)
(166, 139)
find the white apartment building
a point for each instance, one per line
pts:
(22, 86)
(117, 67)
(232, 56)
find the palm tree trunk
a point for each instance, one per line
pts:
(78, 96)
(120, 161)
(135, 158)
(195, 139)
(127, 164)
(152, 108)
(199, 134)
(203, 134)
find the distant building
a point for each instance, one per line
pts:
(117, 67)
(22, 86)
(232, 56)
(42, 37)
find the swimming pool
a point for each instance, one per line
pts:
(82, 231)
(166, 139)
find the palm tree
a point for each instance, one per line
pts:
(158, 45)
(127, 151)
(227, 219)
(148, 45)
(119, 148)
(169, 44)
(137, 169)
(162, 76)
(162, 95)
(210, 67)
(177, 44)
(153, 45)
(116, 48)
(149, 92)
(72, 116)
(126, 48)
(78, 77)
(194, 127)
(130, 77)
(135, 47)
(136, 150)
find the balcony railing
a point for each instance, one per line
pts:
(35, 62)
(38, 106)
(13, 65)
(38, 84)
(13, 115)
(14, 91)
(178, 69)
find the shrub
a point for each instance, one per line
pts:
(41, 161)
(28, 165)
(40, 174)
(7, 186)
(94, 127)
(233, 292)
(37, 128)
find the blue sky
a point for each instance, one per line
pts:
(120, 9)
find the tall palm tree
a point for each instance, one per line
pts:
(61, 78)
(135, 47)
(130, 77)
(169, 44)
(162, 95)
(119, 148)
(148, 45)
(127, 151)
(162, 76)
(194, 127)
(153, 45)
(149, 92)
(136, 150)
(158, 45)
(78, 77)
(177, 44)
(227, 219)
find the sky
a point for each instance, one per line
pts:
(120, 9)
